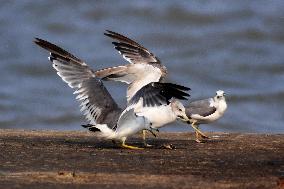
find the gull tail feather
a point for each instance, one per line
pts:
(103, 130)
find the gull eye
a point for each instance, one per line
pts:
(180, 110)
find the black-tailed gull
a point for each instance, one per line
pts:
(206, 111)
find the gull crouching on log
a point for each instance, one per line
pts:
(206, 111)
(152, 107)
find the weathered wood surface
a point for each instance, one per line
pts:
(56, 159)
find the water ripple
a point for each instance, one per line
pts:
(232, 45)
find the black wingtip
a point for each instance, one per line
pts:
(94, 129)
(52, 48)
(87, 126)
(40, 41)
(115, 43)
(37, 40)
(109, 33)
(185, 98)
(43, 43)
(91, 128)
(179, 87)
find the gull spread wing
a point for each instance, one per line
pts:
(96, 102)
(131, 50)
(157, 94)
(200, 107)
(141, 61)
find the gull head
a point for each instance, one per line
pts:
(164, 70)
(220, 95)
(179, 110)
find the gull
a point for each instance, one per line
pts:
(143, 69)
(205, 111)
(156, 104)
(105, 116)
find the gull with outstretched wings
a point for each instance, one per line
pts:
(104, 115)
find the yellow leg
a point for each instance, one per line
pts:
(129, 147)
(197, 139)
(198, 131)
(144, 139)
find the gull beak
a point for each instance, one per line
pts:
(183, 118)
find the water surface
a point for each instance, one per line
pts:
(236, 46)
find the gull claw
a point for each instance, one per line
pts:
(199, 141)
(147, 145)
(168, 146)
(205, 136)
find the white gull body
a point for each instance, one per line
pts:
(206, 111)
(158, 103)
(216, 105)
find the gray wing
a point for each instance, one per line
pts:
(157, 94)
(201, 107)
(130, 50)
(96, 102)
(141, 61)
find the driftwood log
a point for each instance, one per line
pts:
(76, 159)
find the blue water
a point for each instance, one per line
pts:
(236, 46)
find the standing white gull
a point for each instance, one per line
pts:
(97, 104)
(143, 69)
(158, 103)
(206, 111)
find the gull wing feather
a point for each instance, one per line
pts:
(131, 50)
(157, 94)
(142, 62)
(200, 107)
(96, 102)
